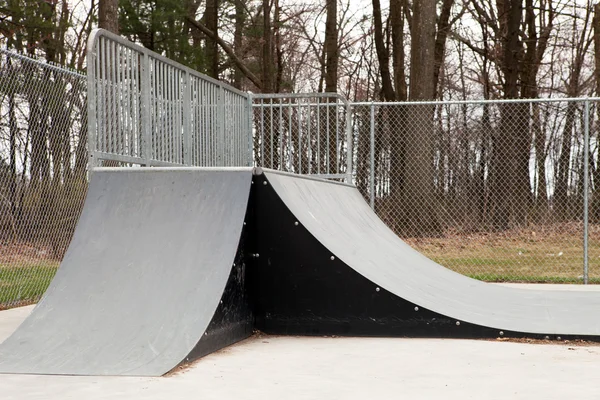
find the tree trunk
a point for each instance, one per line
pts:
(596, 25)
(397, 24)
(238, 40)
(331, 78)
(419, 202)
(108, 15)
(383, 53)
(443, 28)
(211, 21)
(267, 49)
(509, 171)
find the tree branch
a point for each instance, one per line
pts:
(228, 49)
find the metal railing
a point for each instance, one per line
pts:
(149, 110)
(309, 134)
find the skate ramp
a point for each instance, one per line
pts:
(148, 280)
(329, 265)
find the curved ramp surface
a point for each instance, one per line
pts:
(142, 278)
(381, 264)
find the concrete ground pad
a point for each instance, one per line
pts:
(266, 367)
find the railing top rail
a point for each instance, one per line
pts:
(464, 102)
(96, 34)
(300, 96)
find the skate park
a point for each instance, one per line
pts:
(173, 266)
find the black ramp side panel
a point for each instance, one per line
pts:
(388, 278)
(142, 278)
(233, 320)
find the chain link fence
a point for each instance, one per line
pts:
(496, 190)
(43, 160)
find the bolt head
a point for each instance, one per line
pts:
(457, 323)
(377, 289)
(296, 223)
(332, 258)
(501, 333)
(416, 308)
(265, 183)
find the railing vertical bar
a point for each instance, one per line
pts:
(127, 106)
(299, 107)
(308, 139)
(113, 81)
(103, 137)
(187, 128)
(250, 108)
(271, 142)
(92, 84)
(262, 134)
(290, 138)
(372, 159)
(349, 144)
(318, 136)
(281, 135)
(145, 109)
(337, 138)
(327, 132)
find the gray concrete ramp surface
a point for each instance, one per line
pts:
(338, 217)
(142, 278)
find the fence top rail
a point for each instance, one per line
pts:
(465, 102)
(44, 64)
(96, 34)
(300, 96)
(302, 105)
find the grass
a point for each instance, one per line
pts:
(547, 254)
(490, 277)
(528, 255)
(24, 284)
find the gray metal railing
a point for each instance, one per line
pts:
(309, 134)
(149, 110)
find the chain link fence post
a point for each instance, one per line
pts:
(372, 156)
(586, 177)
